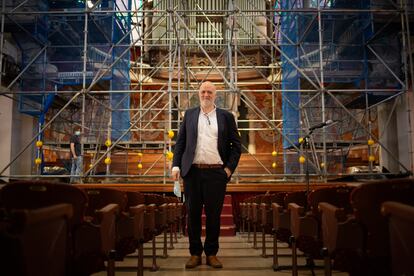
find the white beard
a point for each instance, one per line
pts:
(206, 103)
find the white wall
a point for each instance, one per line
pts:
(6, 109)
(22, 132)
(397, 136)
(16, 130)
(404, 131)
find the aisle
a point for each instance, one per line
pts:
(238, 258)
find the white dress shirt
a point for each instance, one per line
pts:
(207, 139)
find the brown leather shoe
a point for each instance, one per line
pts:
(193, 262)
(214, 262)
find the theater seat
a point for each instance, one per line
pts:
(148, 228)
(161, 223)
(34, 242)
(265, 216)
(129, 222)
(173, 218)
(253, 216)
(136, 199)
(281, 220)
(359, 242)
(99, 198)
(306, 223)
(90, 244)
(400, 224)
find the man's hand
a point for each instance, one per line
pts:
(75, 157)
(175, 175)
(228, 172)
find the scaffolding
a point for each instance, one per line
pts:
(125, 71)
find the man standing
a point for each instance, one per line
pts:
(76, 156)
(206, 154)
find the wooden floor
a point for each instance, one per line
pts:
(238, 258)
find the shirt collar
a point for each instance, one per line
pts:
(209, 113)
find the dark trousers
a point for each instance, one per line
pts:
(204, 187)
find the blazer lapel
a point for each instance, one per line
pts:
(194, 121)
(220, 126)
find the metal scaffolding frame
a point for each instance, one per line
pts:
(247, 47)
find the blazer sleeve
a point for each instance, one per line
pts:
(233, 142)
(180, 143)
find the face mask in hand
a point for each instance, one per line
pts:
(177, 188)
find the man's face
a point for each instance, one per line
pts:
(207, 95)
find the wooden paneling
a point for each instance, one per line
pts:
(168, 188)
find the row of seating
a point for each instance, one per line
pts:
(359, 241)
(98, 225)
(21, 227)
(341, 224)
(270, 213)
(400, 224)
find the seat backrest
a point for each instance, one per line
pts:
(170, 199)
(175, 199)
(267, 199)
(250, 199)
(338, 196)
(154, 199)
(278, 198)
(38, 194)
(135, 198)
(366, 201)
(101, 197)
(298, 197)
(258, 199)
(34, 242)
(400, 225)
